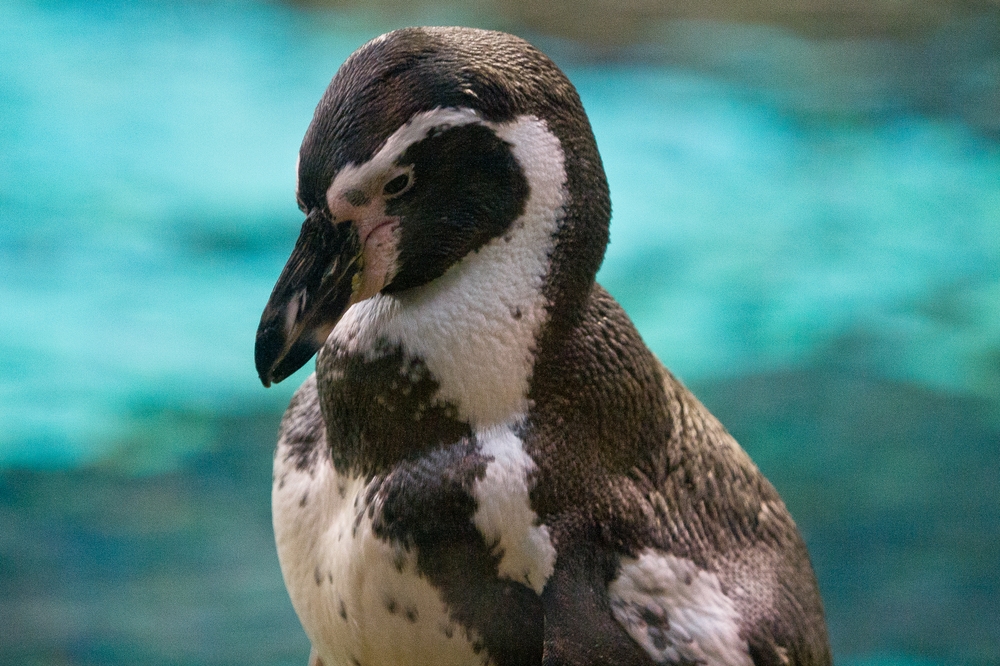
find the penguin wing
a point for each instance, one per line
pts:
(672, 547)
(701, 565)
(723, 575)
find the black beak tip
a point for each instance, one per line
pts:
(267, 352)
(274, 363)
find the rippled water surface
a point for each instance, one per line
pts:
(826, 279)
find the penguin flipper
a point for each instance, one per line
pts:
(580, 629)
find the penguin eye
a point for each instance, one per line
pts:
(396, 185)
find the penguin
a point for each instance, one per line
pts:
(488, 465)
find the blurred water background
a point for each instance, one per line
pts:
(806, 230)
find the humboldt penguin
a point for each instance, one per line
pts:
(489, 466)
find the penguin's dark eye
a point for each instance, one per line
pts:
(396, 185)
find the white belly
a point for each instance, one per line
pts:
(359, 598)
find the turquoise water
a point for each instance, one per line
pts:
(828, 280)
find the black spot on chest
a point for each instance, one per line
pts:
(380, 409)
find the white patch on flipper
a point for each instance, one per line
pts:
(475, 326)
(358, 597)
(504, 515)
(676, 610)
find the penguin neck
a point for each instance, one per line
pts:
(475, 327)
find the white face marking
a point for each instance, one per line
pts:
(358, 597)
(675, 611)
(382, 166)
(475, 326)
(381, 253)
(504, 515)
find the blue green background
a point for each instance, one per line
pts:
(806, 230)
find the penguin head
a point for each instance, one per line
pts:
(405, 170)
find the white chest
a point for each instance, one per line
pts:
(359, 598)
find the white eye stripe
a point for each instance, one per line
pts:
(355, 176)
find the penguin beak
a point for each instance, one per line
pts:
(314, 290)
